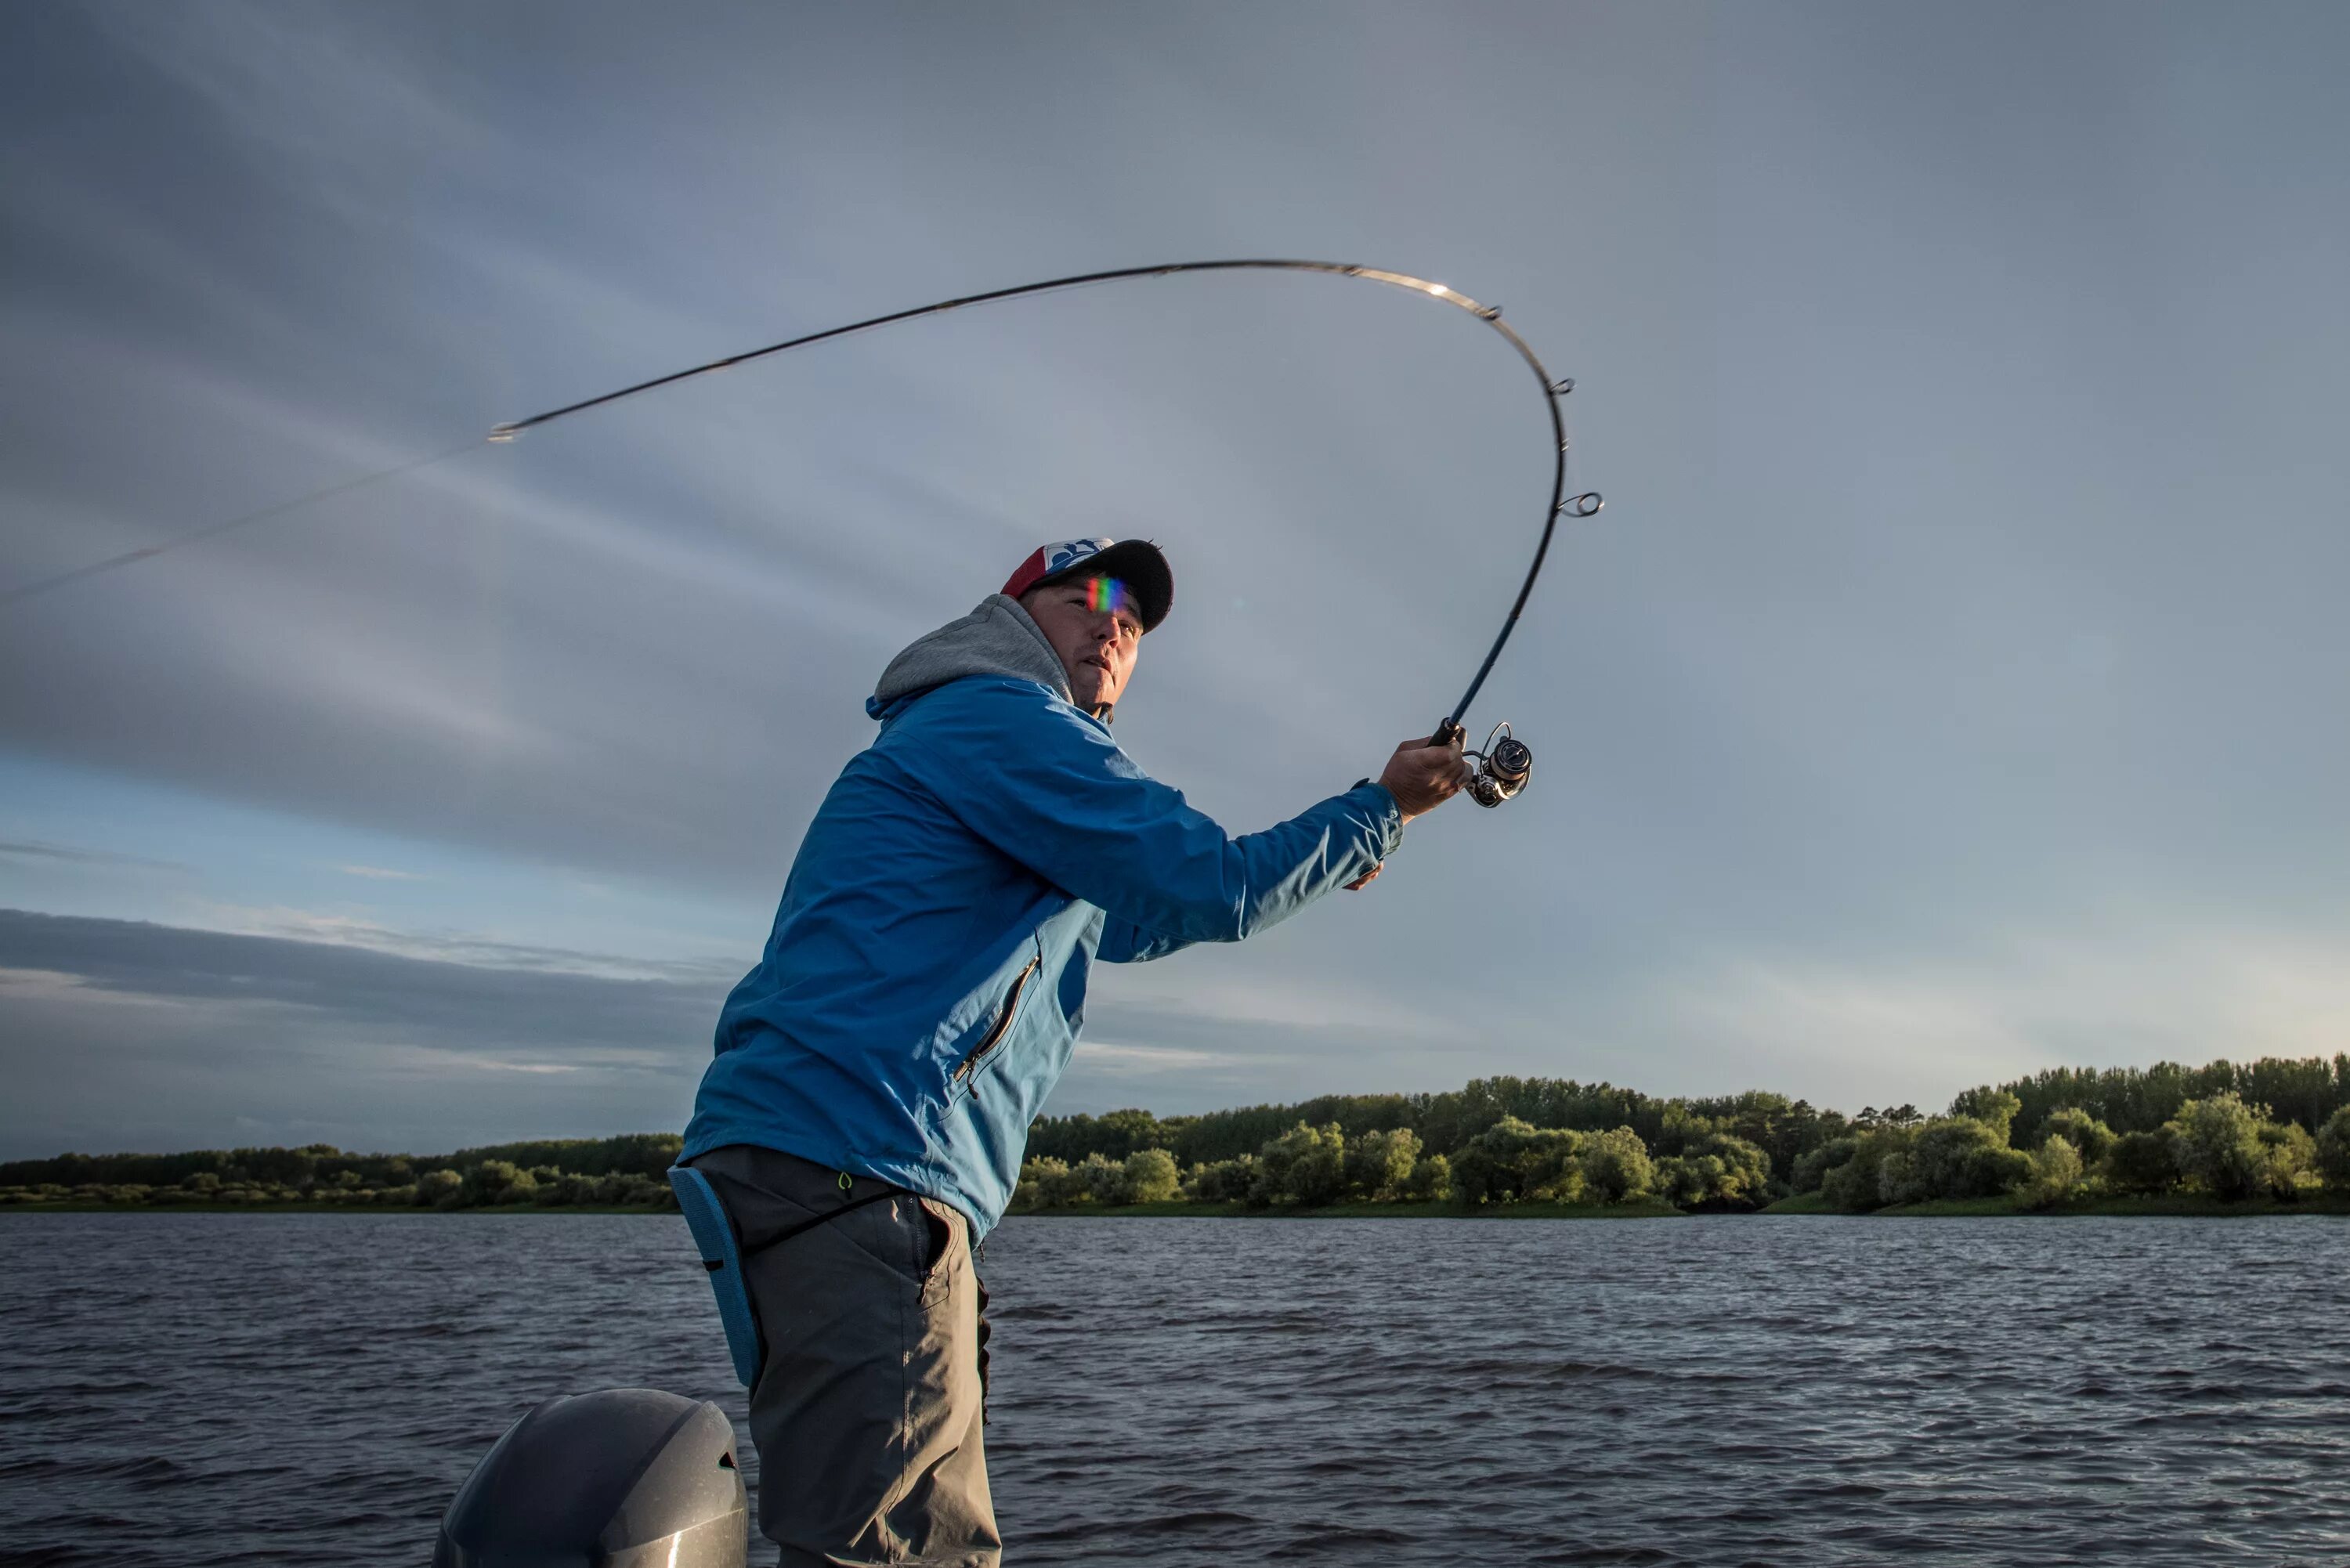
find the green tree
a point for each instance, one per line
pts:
(1717, 1171)
(440, 1189)
(1995, 1108)
(2055, 1172)
(2219, 1147)
(1034, 1171)
(2287, 1153)
(1221, 1180)
(1952, 1157)
(2089, 1137)
(1379, 1164)
(1150, 1176)
(1305, 1166)
(2142, 1162)
(1812, 1168)
(1514, 1160)
(2333, 1151)
(1856, 1184)
(1430, 1180)
(1096, 1178)
(1615, 1165)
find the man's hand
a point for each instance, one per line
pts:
(1422, 776)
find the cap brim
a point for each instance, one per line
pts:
(1138, 564)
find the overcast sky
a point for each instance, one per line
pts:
(1955, 685)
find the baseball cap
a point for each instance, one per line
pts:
(1136, 563)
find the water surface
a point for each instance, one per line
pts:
(184, 1388)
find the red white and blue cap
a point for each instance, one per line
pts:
(1136, 563)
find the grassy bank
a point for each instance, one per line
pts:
(1179, 1208)
(2194, 1205)
(302, 1207)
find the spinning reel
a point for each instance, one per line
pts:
(1504, 767)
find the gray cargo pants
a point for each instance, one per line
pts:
(868, 1409)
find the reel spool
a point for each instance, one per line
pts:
(1504, 767)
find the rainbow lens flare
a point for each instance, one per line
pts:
(1101, 594)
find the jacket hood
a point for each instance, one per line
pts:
(996, 638)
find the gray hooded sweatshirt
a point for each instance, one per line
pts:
(998, 638)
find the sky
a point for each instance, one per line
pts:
(1954, 685)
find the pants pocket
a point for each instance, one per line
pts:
(940, 1228)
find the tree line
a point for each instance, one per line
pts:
(2276, 1128)
(624, 1172)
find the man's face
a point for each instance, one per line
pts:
(1095, 627)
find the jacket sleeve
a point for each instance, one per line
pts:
(1046, 785)
(1123, 941)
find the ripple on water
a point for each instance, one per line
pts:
(310, 1389)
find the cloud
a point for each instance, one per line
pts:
(1109, 1056)
(116, 1033)
(1907, 637)
(382, 874)
(80, 857)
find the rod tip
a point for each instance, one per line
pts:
(502, 435)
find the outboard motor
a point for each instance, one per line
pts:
(627, 1477)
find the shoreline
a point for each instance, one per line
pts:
(1801, 1206)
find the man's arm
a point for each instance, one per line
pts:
(1049, 788)
(1123, 941)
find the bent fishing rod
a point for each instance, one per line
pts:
(1504, 765)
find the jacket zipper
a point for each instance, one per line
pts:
(1002, 1022)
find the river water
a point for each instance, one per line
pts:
(186, 1389)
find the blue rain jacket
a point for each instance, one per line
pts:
(925, 982)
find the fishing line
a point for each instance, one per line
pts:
(1505, 766)
(213, 529)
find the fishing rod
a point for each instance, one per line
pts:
(1504, 765)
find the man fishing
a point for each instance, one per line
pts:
(920, 994)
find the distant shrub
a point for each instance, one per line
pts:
(2144, 1163)
(1379, 1164)
(2219, 1147)
(1812, 1166)
(2090, 1138)
(1994, 1108)
(1953, 1158)
(1616, 1168)
(1514, 1160)
(1717, 1171)
(440, 1189)
(1304, 1167)
(1221, 1180)
(1430, 1180)
(1856, 1184)
(2287, 1155)
(1152, 1177)
(2331, 1151)
(2055, 1173)
(1033, 1173)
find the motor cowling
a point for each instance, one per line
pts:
(626, 1478)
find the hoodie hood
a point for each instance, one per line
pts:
(996, 638)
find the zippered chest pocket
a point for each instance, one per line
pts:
(969, 1067)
